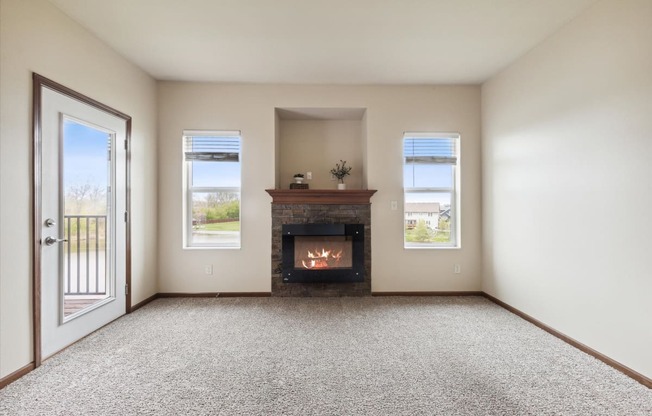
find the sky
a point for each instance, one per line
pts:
(216, 174)
(85, 155)
(428, 176)
(442, 198)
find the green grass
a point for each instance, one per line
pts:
(221, 226)
(435, 237)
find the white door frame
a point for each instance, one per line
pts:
(38, 83)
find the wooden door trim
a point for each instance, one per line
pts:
(38, 82)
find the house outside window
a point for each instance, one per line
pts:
(212, 178)
(431, 190)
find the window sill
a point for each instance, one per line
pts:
(210, 248)
(432, 248)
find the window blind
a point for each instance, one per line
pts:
(212, 148)
(430, 150)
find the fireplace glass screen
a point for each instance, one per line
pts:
(323, 252)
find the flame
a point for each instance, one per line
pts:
(321, 259)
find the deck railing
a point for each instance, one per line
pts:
(85, 255)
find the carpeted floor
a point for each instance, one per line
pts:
(323, 356)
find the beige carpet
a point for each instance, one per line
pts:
(326, 356)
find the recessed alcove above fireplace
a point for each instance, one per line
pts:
(314, 139)
(333, 221)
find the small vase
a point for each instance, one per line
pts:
(298, 180)
(341, 186)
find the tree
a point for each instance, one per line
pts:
(422, 233)
(215, 198)
(86, 198)
(217, 206)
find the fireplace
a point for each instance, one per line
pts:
(323, 253)
(321, 221)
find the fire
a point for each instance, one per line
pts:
(322, 259)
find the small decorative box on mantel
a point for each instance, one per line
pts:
(299, 186)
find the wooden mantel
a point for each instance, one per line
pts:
(321, 196)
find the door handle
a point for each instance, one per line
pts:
(51, 241)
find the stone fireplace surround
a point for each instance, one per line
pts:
(301, 206)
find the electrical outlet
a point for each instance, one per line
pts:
(309, 175)
(457, 269)
(333, 178)
(394, 205)
(208, 269)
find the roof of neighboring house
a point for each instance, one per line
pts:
(422, 207)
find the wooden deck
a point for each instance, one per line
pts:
(75, 303)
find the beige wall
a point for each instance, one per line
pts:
(567, 151)
(316, 146)
(250, 108)
(37, 37)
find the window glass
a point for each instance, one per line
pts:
(215, 174)
(428, 218)
(212, 202)
(427, 176)
(216, 219)
(430, 166)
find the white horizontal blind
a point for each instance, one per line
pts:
(212, 147)
(421, 149)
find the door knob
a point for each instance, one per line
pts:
(51, 241)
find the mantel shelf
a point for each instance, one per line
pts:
(321, 196)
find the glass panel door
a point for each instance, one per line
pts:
(86, 165)
(83, 217)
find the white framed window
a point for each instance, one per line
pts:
(431, 165)
(212, 178)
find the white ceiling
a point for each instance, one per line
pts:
(323, 41)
